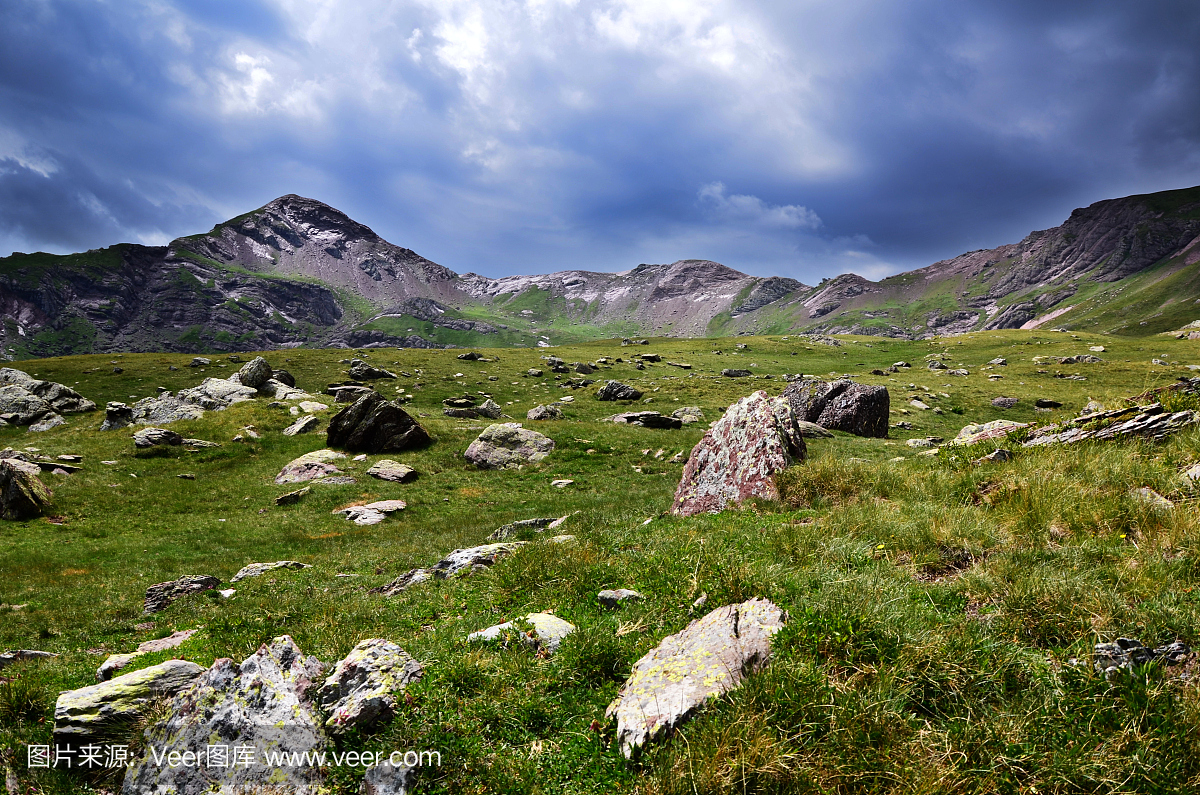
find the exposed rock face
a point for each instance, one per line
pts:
(373, 425)
(361, 691)
(161, 595)
(22, 493)
(97, 713)
(25, 400)
(708, 658)
(615, 390)
(507, 444)
(264, 704)
(841, 406)
(739, 456)
(546, 635)
(1147, 422)
(537, 525)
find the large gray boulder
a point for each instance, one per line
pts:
(707, 659)
(116, 415)
(22, 493)
(552, 411)
(101, 712)
(19, 406)
(507, 445)
(160, 595)
(47, 397)
(739, 456)
(310, 466)
(373, 425)
(153, 437)
(842, 405)
(255, 373)
(361, 371)
(263, 704)
(361, 691)
(615, 390)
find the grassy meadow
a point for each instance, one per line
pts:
(935, 606)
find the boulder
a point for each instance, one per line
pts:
(22, 493)
(645, 419)
(214, 394)
(361, 371)
(259, 569)
(58, 397)
(255, 373)
(842, 405)
(101, 712)
(48, 421)
(461, 414)
(200, 361)
(284, 377)
(537, 525)
(583, 368)
(116, 662)
(153, 437)
(373, 425)
(262, 704)
(293, 497)
(707, 659)
(348, 393)
(165, 409)
(459, 561)
(731, 373)
(546, 634)
(615, 390)
(361, 691)
(996, 429)
(19, 406)
(612, 598)
(1004, 402)
(394, 471)
(506, 445)
(688, 414)
(160, 595)
(553, 411)
(116, 415)
(490, 409)
(533, 372)
(739, 456)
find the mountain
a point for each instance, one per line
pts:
(298, 272)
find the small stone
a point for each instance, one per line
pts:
(546, 636)
(394, 471)
(1149, 496)
(562, 483)
(293, 497)
(919, 404)
(996, 456)
(160, 595)
(302, 425)
(1004, 402)
(614, 597)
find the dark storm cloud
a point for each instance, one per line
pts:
(802, 139)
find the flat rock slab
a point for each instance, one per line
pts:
(1146, 422)
(545, 635)
(646, 419)
(739, 456)
(537, 525)
(116, 662)
(361, 691)
(810, 430)
(23, 655)
(153, 437)
(710, 657)
(394, 471)
(93, 713)
(981, 432)
(313, 406)
(361, 515)
(160, 595)
(293, 497)
(842, 405)
(457, 562)
(262, 704)
(258, 569)
(507, 445)
(373, 425)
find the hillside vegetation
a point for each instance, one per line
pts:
(936, 608)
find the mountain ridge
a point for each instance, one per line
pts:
(299, 272)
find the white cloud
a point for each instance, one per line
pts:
(752, 210)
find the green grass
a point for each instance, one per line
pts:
(934, 606)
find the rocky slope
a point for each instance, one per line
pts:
(298, 272)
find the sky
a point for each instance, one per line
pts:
(779, 137)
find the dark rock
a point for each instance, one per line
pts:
(470, 357)
(583, 368)
(161, 595)
(361, 371)
(739, 456)
(615, 390)
(152, 437)
(859, 409)
(729, 373)
(461, 414)
(284, 377)
(1046, 403)
(646, 419)
(373, 425)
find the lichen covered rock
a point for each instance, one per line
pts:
(739, 456)
(506, 445)
(361, 691)
(22, 493)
